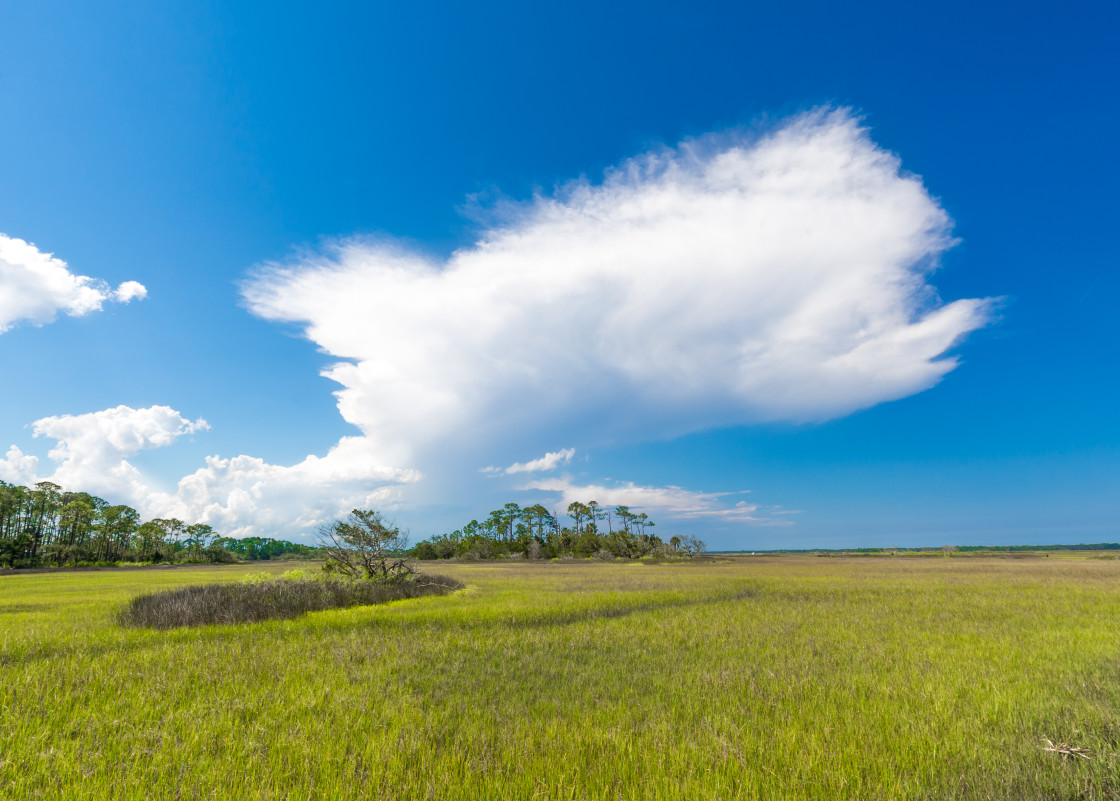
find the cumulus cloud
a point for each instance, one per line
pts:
(673, 502)
(729, 281)
(120, 430)
(734, 279)
(129, 291)
(18, 467)
(35, 287)
(245, 495)
(91, 449)
(550, 461)
(240, 496)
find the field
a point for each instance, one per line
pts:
(755, 677)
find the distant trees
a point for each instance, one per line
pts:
(534, 532)
(264, 548)
(46, 525)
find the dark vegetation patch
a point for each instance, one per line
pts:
(266, 600)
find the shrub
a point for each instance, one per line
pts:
(254, 600)
(256, 577)
(219, 555)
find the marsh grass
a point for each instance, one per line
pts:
(757, 677)
(284, 597)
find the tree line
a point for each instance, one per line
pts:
(46, 525)
(535, 532)
(264, 548)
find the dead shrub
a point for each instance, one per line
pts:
(251, 602)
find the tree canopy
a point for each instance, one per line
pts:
(45, 525)
(537, 532)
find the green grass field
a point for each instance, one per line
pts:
(755, 677)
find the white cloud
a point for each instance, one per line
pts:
(18, 467)
(35, 286)
(673, 502)
(240, 496)
(120, 430)
(91, 449)
(729, 281)
(550, 461)
(129, 291)
(245, 495)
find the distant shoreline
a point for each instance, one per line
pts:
(928, 550)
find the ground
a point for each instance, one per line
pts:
(752, 677)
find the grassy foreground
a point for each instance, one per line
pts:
(782, 677)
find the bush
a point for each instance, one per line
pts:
(219, 555)
(255, 600)
(256, 577)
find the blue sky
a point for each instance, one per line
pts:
(742, 334)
